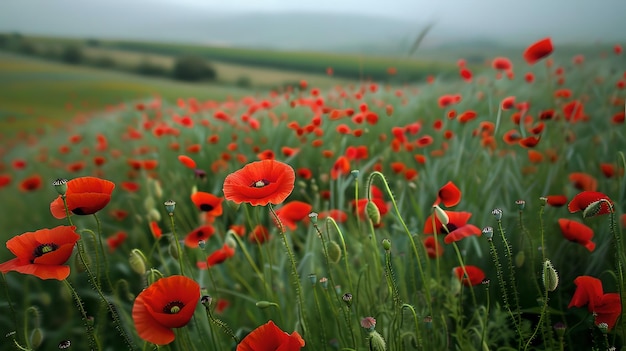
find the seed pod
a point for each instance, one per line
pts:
(550, 276)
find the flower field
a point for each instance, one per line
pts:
(486, 213)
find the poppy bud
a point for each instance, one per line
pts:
(376, 342)
(36, 338)
(60, 185)
(265, 304)
(521, 204)
(153, 275)
(334, 251)
(154, 215)
(441, 215)
(373, 212)
(386, 244)
(173, 250)
(550, 277)
(519, 259)
(149, 203)
(592, 209)
(137, 261)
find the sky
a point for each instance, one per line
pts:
(566, 20)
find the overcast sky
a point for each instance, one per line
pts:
(602, 20)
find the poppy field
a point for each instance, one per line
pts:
(484, 213)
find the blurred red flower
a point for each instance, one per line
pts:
(577, 232)
(203, 232)
(208, 203)
(592, 203)
(293, 212)
(455, 230)
(449, 195)
(538, 50)
(472, 275)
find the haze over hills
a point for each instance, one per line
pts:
(189, 22)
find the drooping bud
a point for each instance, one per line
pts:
(592, 209)
(154, 215)
(149, 203)
(520, 257)
(265, 304)
(550, 277)
(137, 261)
(36, 338)
(373, 213)
(153, 275)
(441, 215)
(334, 251)
(173, 250)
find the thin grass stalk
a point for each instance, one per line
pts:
(294, 271)
(93, 341)
(509, 257)
(407, 231)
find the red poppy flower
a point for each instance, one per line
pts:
(168, 303)
(269, 337)
(592, 203)
(187, 161)
(577, 232)
(538, 50)
(84, 196)
(293, 212)
(115, 240)
(340, 167)
(456, 229)
(5, 179)
(220, 255)
(130, 186)
(203, 233)
(260, 183)
(608, 169)
(433, 248)
(208, 203)
(583, 181)
(472, 275)
(556, 200)
(259, 234)
(31, 183)
(449, 195)
(338, 215)
(501, 64)
(155, 229)
(605, 307)
(42, 253)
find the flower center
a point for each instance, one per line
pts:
(44, 249)
(206, 207)
(173, 307)
(260, 183)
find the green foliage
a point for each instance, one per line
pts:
(192, 68)
(72, 54)
(149, 68)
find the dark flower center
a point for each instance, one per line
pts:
(79, 211)
(44, 249)
(200, 234)
(206, 207)
(451, 227)
(173, 307)
(260, 183)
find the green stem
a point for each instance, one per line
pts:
(220, 323)
(93, 342)
(509, 256)
(178, 248)
(407, 231)
(104, 254)
(294, 270)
